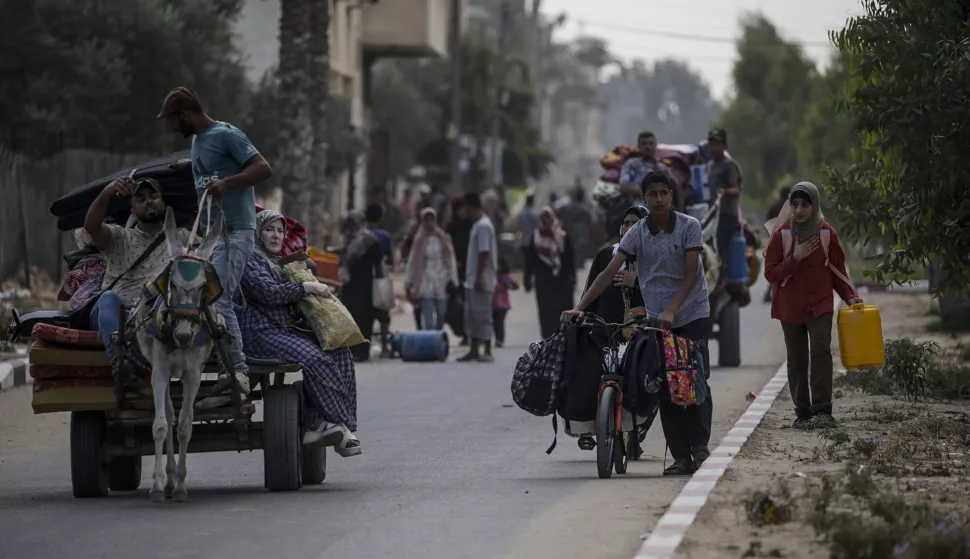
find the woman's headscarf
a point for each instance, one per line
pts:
(550, 240)
(418, 248)
(805, 230)
(263, 219)
(640, 212)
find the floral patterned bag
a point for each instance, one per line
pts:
(681, 368)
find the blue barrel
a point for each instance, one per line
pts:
(698, 179)
(737, 264)
(424, 345)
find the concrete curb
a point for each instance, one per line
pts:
(13, 373)
(673, 525)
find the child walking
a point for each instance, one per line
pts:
(804, 262)
(500, 300)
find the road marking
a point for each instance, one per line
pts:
(673, 525)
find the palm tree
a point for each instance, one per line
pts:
(296, 129)
(319, 97)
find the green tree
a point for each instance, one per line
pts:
(775, 84)
(907, 97)
(92, 74)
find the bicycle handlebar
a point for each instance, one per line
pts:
(643, 322)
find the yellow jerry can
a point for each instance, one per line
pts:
(860, 337)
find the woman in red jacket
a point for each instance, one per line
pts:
(804, 262)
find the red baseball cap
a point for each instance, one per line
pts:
(180, 99)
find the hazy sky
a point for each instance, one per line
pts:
(627, 25)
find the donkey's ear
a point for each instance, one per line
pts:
(211, 238)
(172, 234)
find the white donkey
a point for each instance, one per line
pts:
(176, 337)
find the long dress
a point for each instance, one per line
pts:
(267, 321)
(358, 296)
(554, 293)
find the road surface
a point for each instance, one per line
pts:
(451, 468)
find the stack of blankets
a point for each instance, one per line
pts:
(70, 369)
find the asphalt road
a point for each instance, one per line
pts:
(451, 468)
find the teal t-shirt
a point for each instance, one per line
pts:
(220, 152)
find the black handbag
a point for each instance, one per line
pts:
(80, 317)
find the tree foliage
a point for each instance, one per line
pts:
(775, 83)
(412, 101)
(92, 73)
(909, 65)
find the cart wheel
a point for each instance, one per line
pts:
(314, 465)
(89, 471)
(124, 473)
(606, 432)
(281, 438)
(314, 459)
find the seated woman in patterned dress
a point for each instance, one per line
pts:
(270, 324)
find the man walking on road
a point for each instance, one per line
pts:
(480, 277)
(724, 178)
(666, 246)
(527, 221)
(226, 166)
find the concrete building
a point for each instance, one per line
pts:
(361, 31)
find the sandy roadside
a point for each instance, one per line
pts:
(786, 463)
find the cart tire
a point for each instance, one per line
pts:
(314, 465)
(729, 335)
(89, 471)
(124, 473)
(281, 438)
(606, 432)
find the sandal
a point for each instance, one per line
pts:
(349, 446)
(679, 469)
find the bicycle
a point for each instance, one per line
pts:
(609, 409)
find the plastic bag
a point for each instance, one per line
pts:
(328, 317)
(383, 293)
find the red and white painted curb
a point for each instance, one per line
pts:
(671, 528)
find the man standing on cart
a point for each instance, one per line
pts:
(225, 165)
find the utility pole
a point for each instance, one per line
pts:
(499, 75)
(454, 130)
(535, 47)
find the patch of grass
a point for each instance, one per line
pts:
(948, 381)
(906, 365)
(870, 381)
(864, 519)
(773, 507)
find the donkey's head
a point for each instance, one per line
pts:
(188, 284)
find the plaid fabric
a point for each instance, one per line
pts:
(538, 374)
(270, 300)
(296, 235)
(329, 378)
(81, 283)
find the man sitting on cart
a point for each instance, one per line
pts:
(133, 256)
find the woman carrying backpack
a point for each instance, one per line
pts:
(802, 278)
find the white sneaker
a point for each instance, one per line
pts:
(327, 434)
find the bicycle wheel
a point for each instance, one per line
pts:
(606, 432)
